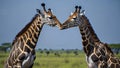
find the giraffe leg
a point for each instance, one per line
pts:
(33, 62)
(34, 57)
(31, 65)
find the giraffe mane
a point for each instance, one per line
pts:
(96, 39)
(109, 49)
(25, 28)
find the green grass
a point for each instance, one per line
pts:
(63, 61)
(3, 57)
(52, 61)
(114, 45)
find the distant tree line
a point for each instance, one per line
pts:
(58, 52)
(7, 46)
(115, 48)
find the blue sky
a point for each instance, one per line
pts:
(104, 15)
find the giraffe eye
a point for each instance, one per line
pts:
(50, 17)
(74, 18)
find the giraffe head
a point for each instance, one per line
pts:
(75, 18)
(47, 17)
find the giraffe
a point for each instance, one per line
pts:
(22, 54)
(98, 54)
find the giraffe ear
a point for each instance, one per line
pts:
(83, 12)
(50, 10)
(38, 11)
(71, 13)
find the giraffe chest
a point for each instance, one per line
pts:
(28, 61)
(91, 63)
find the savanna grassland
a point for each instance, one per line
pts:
(55, 59)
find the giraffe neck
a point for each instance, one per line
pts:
(24, 44)
(30, 33)
(89, 37)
